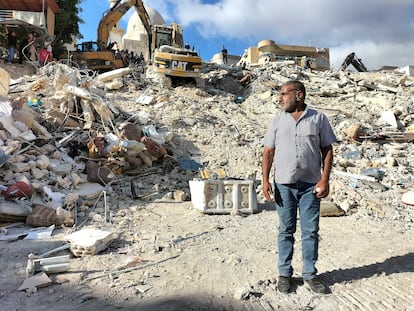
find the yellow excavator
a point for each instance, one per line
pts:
(168, 58)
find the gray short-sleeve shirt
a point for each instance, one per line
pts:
(298, 145)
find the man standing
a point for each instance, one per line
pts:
(11, 46)
(224, 54)
(299, 143)
(32, 50)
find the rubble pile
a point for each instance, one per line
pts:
(89, 145)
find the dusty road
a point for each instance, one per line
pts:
(193, 261)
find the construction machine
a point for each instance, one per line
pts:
(353, 60)
(168, 58)
(171, 62)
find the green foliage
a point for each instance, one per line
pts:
(3, 38)
(21, 33)
(66, 24)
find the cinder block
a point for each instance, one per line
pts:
(224, 196)
(88, 241)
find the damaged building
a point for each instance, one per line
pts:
(269, 51)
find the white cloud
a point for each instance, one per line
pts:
(163, 7)
(374, 55)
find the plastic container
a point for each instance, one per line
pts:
(354, 154)
(151, 131)
(223, 196)
(372, 171)
(34, 103)
(132, 145)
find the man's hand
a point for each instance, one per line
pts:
(321, 189)
(323, 184)
(267, 191)
(267, 161)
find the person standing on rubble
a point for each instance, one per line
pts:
(298, 142)
(224, 54)
(32, 50)
(11, 46)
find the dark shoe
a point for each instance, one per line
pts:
(315, 285)
(283, 284)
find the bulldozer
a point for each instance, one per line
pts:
(171, 63)
(168, 60)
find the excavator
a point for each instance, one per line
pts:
(353, 60)
(168, 59)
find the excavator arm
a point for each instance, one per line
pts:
(168, 59)
(353, 60)
(114, 14)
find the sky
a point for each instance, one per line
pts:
(380, 32)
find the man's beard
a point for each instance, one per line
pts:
(291, 106)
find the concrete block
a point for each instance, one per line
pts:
(223, 196)
(88, 241)
(89, 190)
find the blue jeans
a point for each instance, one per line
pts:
(288, 197)
(10, 56)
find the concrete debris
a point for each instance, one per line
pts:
(246, 292)
(38, 280)
(50, 265)
(40, 233)
(331, 209)
(4, 82)
(88, 241)
(88, 148)
(43, 216)
(14, 211)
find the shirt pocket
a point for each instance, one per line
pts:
(308, 129)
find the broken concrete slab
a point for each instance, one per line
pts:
(330, 209)
(4, 82)
(37, 281)
(40, 233)
(86, 242)
(89, 190)
(14, 211)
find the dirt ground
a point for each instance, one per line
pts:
(193, 261)
(178, 258)
(17, 71)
